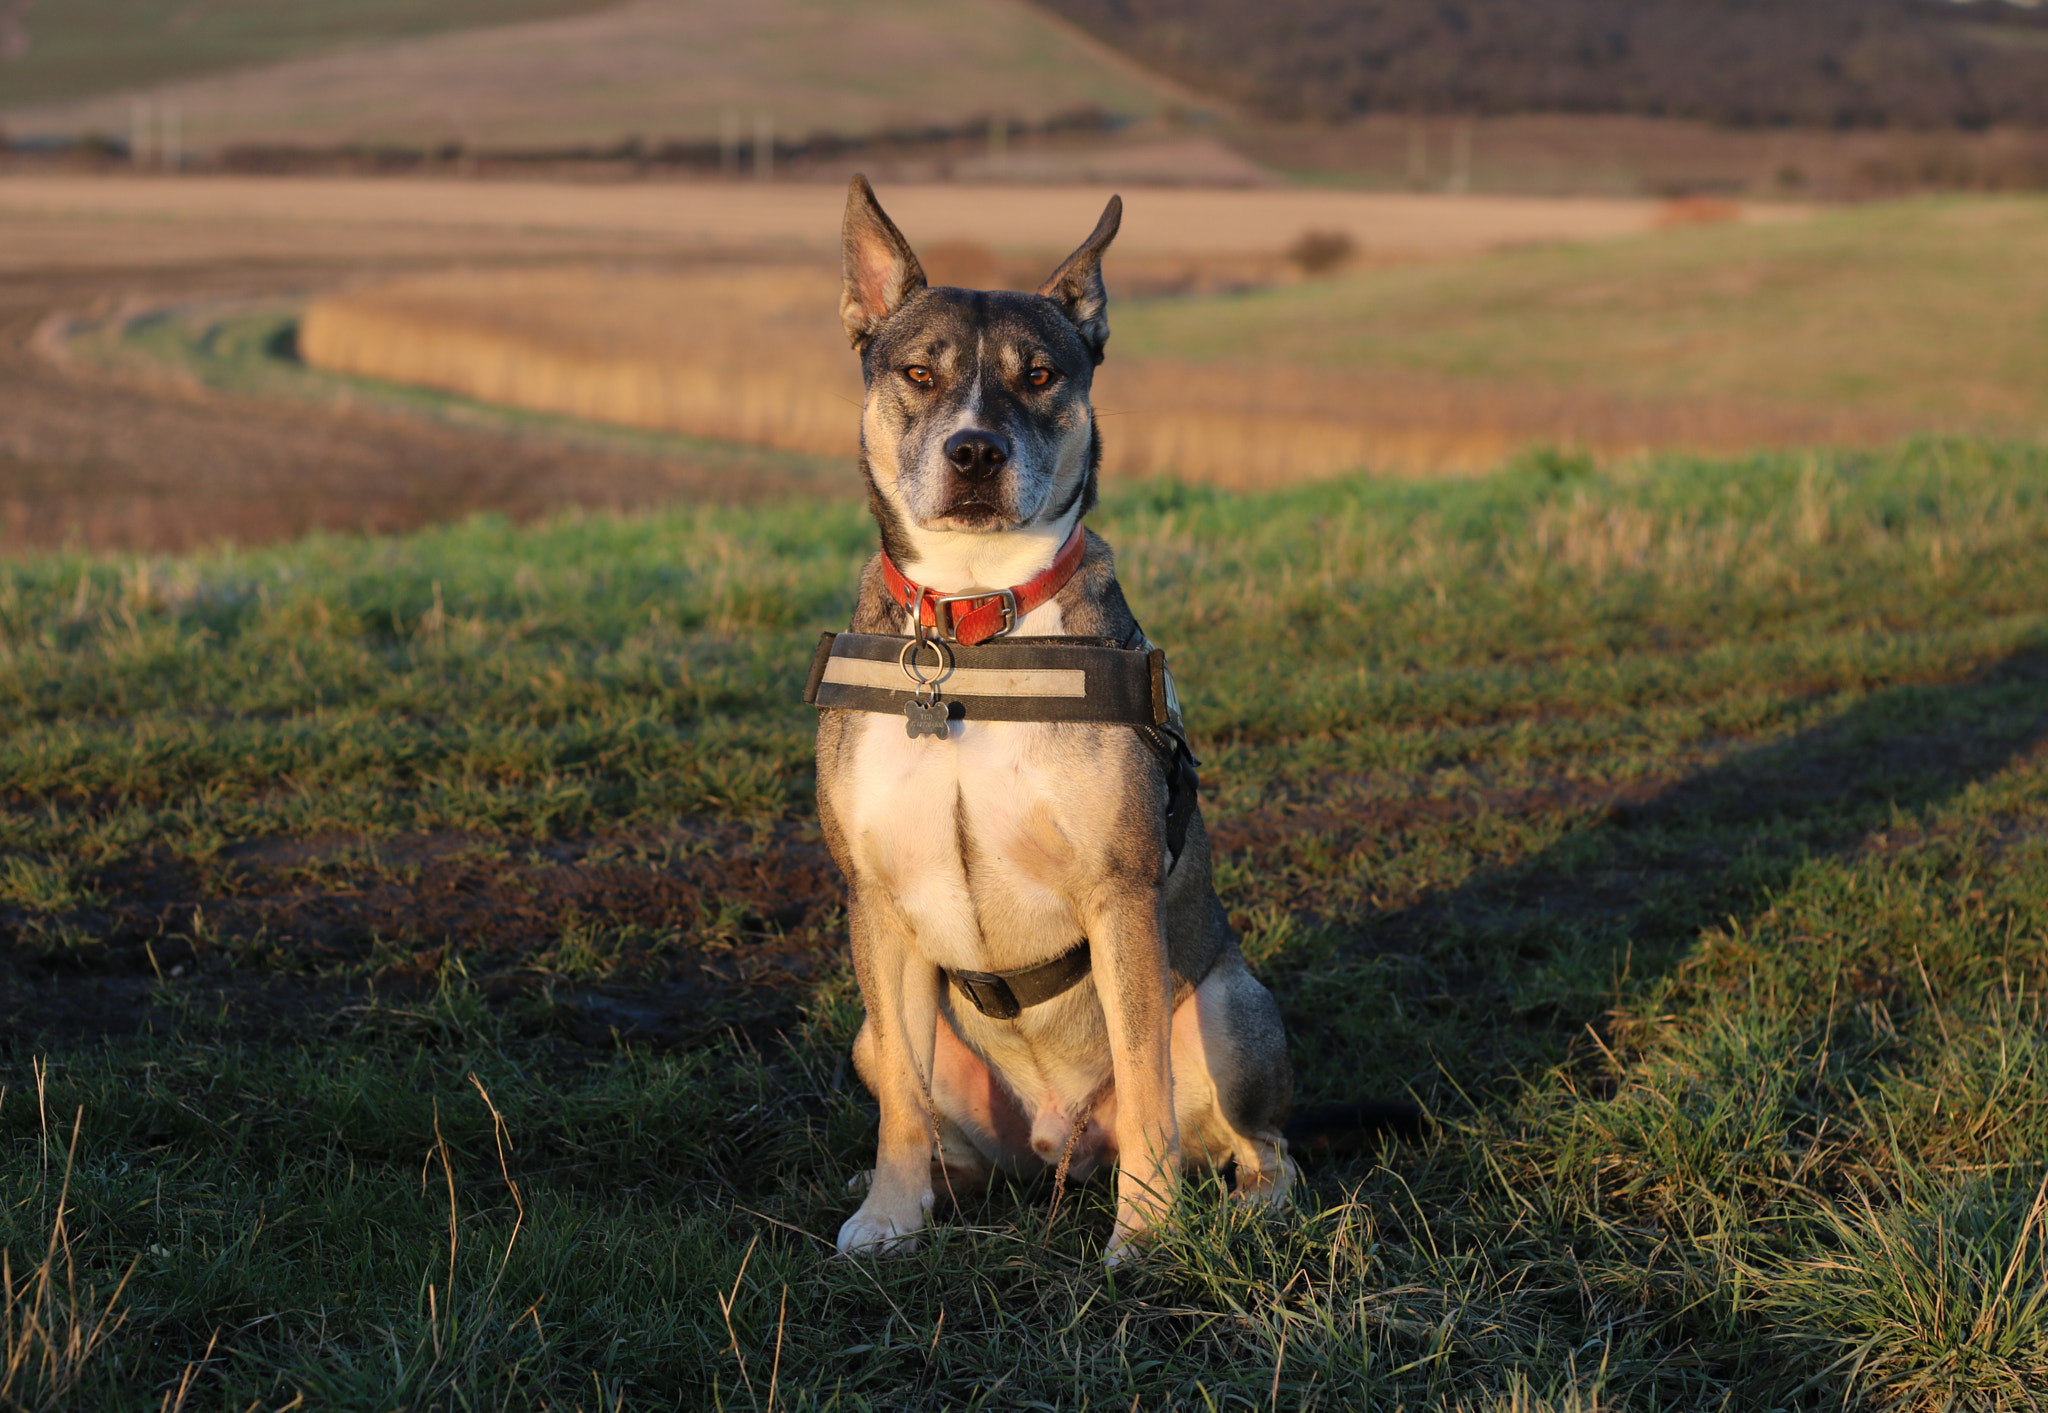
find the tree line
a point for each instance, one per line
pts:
(1821, 63)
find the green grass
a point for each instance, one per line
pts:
(83, 47)
(1934, 310)
(432, 940)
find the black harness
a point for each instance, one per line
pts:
(930, 682)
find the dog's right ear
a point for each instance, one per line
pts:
(1077, 285)
(880, 270)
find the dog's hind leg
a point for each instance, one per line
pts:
(981, 1125)
(894, 1055)
(1231, 1079)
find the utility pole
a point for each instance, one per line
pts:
(1461, 159)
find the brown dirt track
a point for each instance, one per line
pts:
(114, 464)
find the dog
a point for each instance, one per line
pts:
(1049, 978)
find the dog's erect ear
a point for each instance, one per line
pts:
(880, 270)
(1077, 285)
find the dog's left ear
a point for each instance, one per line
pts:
(880, 272)
(1077, 285)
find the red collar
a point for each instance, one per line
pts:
(975, 618)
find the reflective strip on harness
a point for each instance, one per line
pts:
(963, 681)
(1016, 679)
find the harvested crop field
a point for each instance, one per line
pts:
(141, 456)
(735, 218)
(156, 452)
(745, 355)
(757, 356)
(704, 314)
(1849, 328)
(139, 453)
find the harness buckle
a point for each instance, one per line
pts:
(945, 621)
(990, 994)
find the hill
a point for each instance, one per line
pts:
(54, 52)
(1828, 63)
(574, 73)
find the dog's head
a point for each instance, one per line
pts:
(977, 419)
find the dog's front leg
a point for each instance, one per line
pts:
(1134, 982)
(901, 991)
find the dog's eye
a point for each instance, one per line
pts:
(918, 373)
(1038, 377)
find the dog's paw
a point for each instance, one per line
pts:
(870, 1234)
(1127, 1248)
(1272, 1187)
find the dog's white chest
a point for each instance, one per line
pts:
(973, 837)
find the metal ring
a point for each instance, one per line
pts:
(907, 660)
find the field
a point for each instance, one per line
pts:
(1920, 309)
(1849, 327)
(242, 217)
(1614, 154)
(193, 431)
(91, 46)
(459, 85)
(167, 454)
(424, 982)
(657, 69)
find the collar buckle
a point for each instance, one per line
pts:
(946, 621)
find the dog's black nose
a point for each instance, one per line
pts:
(977, 453)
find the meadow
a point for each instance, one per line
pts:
(426, 986)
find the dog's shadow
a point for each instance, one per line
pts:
(1658, 864)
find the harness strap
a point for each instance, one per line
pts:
(1063, 679)
(1169, 741)
(1019, 679)
(1003, 995)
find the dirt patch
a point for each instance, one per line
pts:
(648, 939)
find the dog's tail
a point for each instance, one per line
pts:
(1345, 1128)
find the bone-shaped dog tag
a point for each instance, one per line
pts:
(926, 718)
